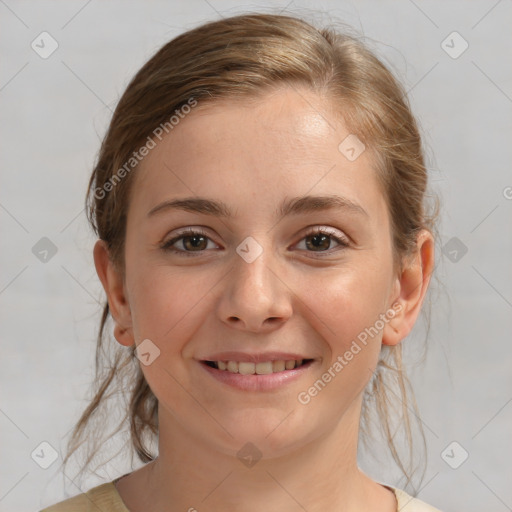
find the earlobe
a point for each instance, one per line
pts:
(392, 334)
(412, 287)
(113, 284)
(123, 336)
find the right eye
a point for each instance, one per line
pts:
(191, 240)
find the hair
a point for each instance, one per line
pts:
(246, 56)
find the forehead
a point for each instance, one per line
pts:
(249, 152)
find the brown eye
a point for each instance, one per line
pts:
(320, 240)
(191, 241)
(195, 242)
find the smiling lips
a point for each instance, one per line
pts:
(256, 372)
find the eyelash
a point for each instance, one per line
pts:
(167, 246)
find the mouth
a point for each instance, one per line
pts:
(260, 368)
(258, 371)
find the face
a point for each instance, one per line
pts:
(258, 272)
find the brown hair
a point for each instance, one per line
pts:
(245, 56)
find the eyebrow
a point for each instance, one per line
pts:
(293, 206)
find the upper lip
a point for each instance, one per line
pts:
(254, 358)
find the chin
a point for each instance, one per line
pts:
(273, 432)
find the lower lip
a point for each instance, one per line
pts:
(258, 382)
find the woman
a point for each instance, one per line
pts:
(264, 247)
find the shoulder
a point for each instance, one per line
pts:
(407, 503)
(103, 497)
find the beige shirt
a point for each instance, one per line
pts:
(105, 497)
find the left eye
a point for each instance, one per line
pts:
(195, 241)
(320, 240)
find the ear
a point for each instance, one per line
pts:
(412, 285)
(113, 284)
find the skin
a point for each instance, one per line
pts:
(253, 155)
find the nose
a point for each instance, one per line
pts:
(255, 297)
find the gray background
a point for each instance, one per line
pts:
(54, 113)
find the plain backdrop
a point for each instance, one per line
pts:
(454, 59)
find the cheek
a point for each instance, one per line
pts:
(345, 310)
(168, 308)
(347, 301)
(163, 301)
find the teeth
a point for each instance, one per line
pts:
(245, 368)
(278, 366)
(264, 368)
(232, 367)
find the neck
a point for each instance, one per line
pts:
(322, 474)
